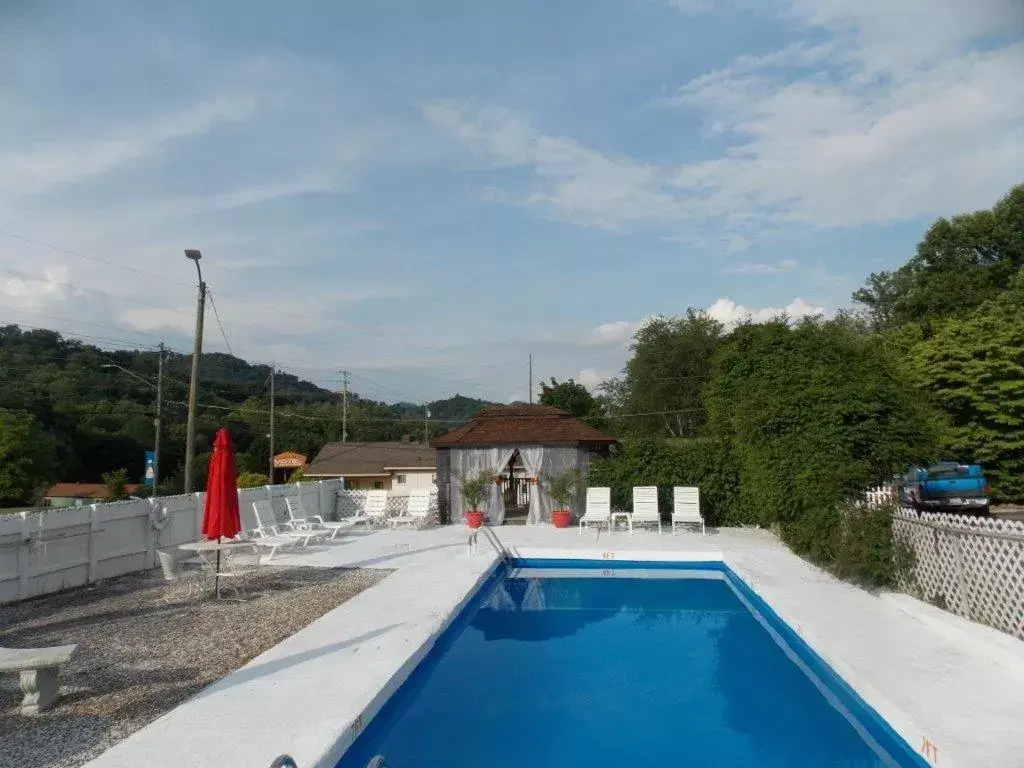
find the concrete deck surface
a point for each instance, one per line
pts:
(951, 688)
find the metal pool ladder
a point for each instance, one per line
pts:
(286, 761)
(492, 537)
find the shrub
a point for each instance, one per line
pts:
(117, 484)
(699, 462)
(252, 480)
(564, 488)
(854, 542)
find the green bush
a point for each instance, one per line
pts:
(666, 463)
(854, 542)
(252, 480)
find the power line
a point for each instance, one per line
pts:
(216, 314)
(86, 256)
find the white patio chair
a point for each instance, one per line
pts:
(416, 510)
(374, 511)
(645, 506)
(598, 510)
(268, 526)
(189, 580)
(686, 508)
(298, 520)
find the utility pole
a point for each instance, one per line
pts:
(531, 379)
(426, 424)
(156, 421)
(344, 406)
(271, 475)
(193, 388)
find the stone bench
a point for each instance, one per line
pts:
(38, 668)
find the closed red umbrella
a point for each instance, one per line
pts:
(220, 514)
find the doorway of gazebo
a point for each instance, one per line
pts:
(516, 491)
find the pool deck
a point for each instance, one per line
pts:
(951, 688)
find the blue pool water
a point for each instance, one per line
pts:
(574, 668)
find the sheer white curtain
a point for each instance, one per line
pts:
(468, 462)
(533, 459)
(498, 458)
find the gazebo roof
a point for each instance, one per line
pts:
(523, 425)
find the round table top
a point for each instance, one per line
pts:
(208, 545)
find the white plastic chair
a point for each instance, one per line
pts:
(268, 526)
(686, 508)
(304, 522)
(190, 580)
(374, 511)
(598, 510)
(645, 506)
(416, 510)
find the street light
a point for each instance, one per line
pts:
(159, 408)
(190, 441)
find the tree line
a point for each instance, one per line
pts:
(783, 422)
(67, 415)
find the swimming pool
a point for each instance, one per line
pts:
(569, 663)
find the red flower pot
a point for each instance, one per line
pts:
(561, 518)
(474, 519)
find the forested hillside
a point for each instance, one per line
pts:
(67, 414)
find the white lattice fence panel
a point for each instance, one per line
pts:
(974, 566)
(353, 502)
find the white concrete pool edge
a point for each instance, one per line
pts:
(311, 695)
(290, 700)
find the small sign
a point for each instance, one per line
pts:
(289, 460)
(150, 477)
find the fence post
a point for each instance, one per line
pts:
(24, 558)
(965, 598)
(150, 543)
(94, 529)
(321, 500)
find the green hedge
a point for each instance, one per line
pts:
(667, 463)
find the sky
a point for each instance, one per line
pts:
(424, 193)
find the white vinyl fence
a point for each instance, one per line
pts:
(972, 566)
(49, 550)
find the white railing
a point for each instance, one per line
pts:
(50, 550)
(972, 566)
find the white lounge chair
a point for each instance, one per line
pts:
(298, 520)
(267, 526)
(374, 511)
(598, 510)
(38, 668)
(416, 510)
(686, 508)
(645, 506)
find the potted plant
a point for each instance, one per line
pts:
(564, 489)
(476, 490)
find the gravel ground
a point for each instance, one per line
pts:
(139, 656)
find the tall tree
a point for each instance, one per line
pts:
(973, 368)
(961, 263)
(670, 366)
(572, 397)
(26, 458)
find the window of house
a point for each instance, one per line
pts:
(378, 485)
(400, 479)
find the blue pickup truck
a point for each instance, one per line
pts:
(948, 486)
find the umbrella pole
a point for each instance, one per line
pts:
(216, 576)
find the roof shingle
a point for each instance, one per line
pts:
(349, 459)
(524, 425)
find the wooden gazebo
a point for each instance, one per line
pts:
(544, 440)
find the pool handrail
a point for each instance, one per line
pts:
(492, 538)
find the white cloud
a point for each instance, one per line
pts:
(729, 313)
(30, 294)
(690, 7)
(757, 268)
(590, 379)
(871, 125)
